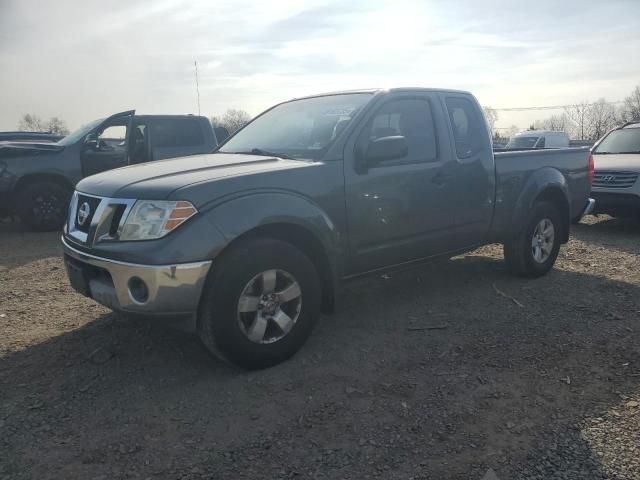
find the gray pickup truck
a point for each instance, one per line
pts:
(37, 179)
(252, 242)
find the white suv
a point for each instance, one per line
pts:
(616, 188)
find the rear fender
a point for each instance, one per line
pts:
(548, 184)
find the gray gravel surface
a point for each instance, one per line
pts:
(534, 379)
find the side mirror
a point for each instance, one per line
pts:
(386, 148)
(91, 140)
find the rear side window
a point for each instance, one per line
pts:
(467, 126)
(409, 118)
(176, 132)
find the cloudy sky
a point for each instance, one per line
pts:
(81, 60)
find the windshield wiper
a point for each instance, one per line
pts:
(259, 151)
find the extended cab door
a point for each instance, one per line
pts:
(106, 147)
(400, 209)
(473, 169)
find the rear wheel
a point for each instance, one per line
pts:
(260, 303)
(533, 251)
(43, 205)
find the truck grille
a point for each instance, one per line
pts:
(94, 219)
(85, 210)
(612, 179)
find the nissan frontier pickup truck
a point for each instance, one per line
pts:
(251, 243)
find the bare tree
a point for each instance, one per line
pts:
(557, 123)
(631, 108)
(491, 115)
(601, 117)
(32, 123)
(233, 119)
(56, 125)
(578, 114)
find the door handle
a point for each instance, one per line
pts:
(440, 178)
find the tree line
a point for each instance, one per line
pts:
(233, 119)
(583, 120)
(33, 123)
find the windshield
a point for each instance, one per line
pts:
(79, 133)
(626, 140)
(522, 142)
(299, 129)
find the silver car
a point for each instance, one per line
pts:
(616, 188)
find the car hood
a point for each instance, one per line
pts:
(20, 149)
(158, 180)
(622, 162)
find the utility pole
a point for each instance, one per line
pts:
(195, 62)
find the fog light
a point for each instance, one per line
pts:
(138, 289)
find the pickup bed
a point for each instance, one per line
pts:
(254, 241)
(37, 178)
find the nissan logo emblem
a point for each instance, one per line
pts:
(83, 213)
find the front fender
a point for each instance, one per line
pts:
(541, 181)
(239, 215)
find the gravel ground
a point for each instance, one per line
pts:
(451, 370)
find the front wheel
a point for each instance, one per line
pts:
(260, 303)
(533, 251)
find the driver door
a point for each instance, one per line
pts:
(402, 209)
(107, 147)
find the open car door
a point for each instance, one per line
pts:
(107, 146)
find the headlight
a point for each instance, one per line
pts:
(149, 219)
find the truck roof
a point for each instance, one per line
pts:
(170, 116)
(383, 90)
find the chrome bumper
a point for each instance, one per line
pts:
(591, 203)
(130, 287)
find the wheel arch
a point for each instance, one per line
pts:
(305, 240)
(546, 184)
(299, 221)
(32, 178)
(557, 198)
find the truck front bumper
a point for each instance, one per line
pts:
(128, 287)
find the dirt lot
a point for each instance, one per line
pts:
(533, 379)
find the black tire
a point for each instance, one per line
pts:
(43, 205)
(219, 324)
(518, 252)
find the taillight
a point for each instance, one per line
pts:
(592, 168)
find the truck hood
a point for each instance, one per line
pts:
(22, 149)
(622, 162)
(158, 180)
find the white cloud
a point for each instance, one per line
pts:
(84, 60)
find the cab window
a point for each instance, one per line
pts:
(176, 132)
(410, 118)
(466, 125)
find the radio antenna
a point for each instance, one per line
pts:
(195, 62)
